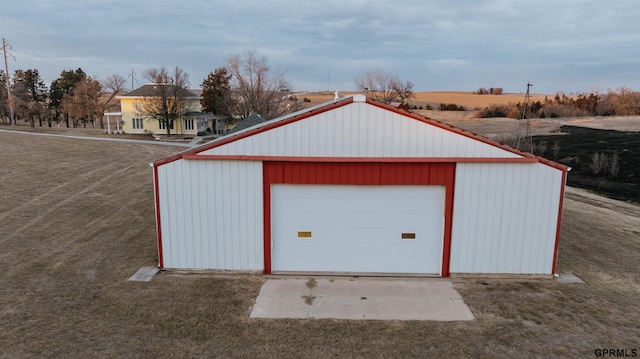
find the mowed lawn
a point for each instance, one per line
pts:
(77, 220)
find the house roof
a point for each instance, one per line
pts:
(150, 90)
(344, 101)
(250, 121)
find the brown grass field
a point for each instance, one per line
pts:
(77, 220)
(468, 100)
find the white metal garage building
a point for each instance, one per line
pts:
(356, 186)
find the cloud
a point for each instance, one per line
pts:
(437, 44)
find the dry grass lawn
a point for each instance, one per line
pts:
(77, 219)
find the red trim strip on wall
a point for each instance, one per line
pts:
(196, 157)
(363, 174)
(158, 227)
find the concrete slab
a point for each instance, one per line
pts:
(389, 307)
(383, 287)
(361, 298)
(568, 278)
(144, 274)
(343, 307)
(282, 288)
(335, 288)
(280, 307)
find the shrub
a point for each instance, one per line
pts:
(493, 111)
(450, 107)
(555, 149)
(540, 148)
(598, 163)
(614, 165)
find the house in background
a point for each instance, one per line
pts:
(190, 123)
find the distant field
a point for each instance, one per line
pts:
(77, 219)
(468, 100)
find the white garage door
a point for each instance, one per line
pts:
(371, 229)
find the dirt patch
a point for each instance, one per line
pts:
(311, 283)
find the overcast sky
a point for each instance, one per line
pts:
(569, 45)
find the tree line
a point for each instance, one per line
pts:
(620, 102)
(245, 84)
(75, 98)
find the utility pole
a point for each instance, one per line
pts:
(6, 70)
(133, 77)
(526, 115)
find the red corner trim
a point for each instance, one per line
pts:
(448, 223)
(158, 226)
(561, 205)
(266, 205)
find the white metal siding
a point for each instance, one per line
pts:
(357, 228)
(211, 214)
(360, 130)
(505, 218)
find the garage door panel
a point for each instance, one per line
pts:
(357, 228)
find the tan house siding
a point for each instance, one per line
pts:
(134, 122)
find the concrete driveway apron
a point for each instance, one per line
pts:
(361, 298)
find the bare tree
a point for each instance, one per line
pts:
(257, 89)
(83, 104)
(384, 86)
(111, 87)
(627, 102)
(167, 101)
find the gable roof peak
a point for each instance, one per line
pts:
(150, 90)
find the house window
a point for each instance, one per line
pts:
(188, 124)
(138, 106)
(138, 124)
(163, 127)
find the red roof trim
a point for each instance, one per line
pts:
(363, 159)
(287, 120)
(269, 126)
(468, 134)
